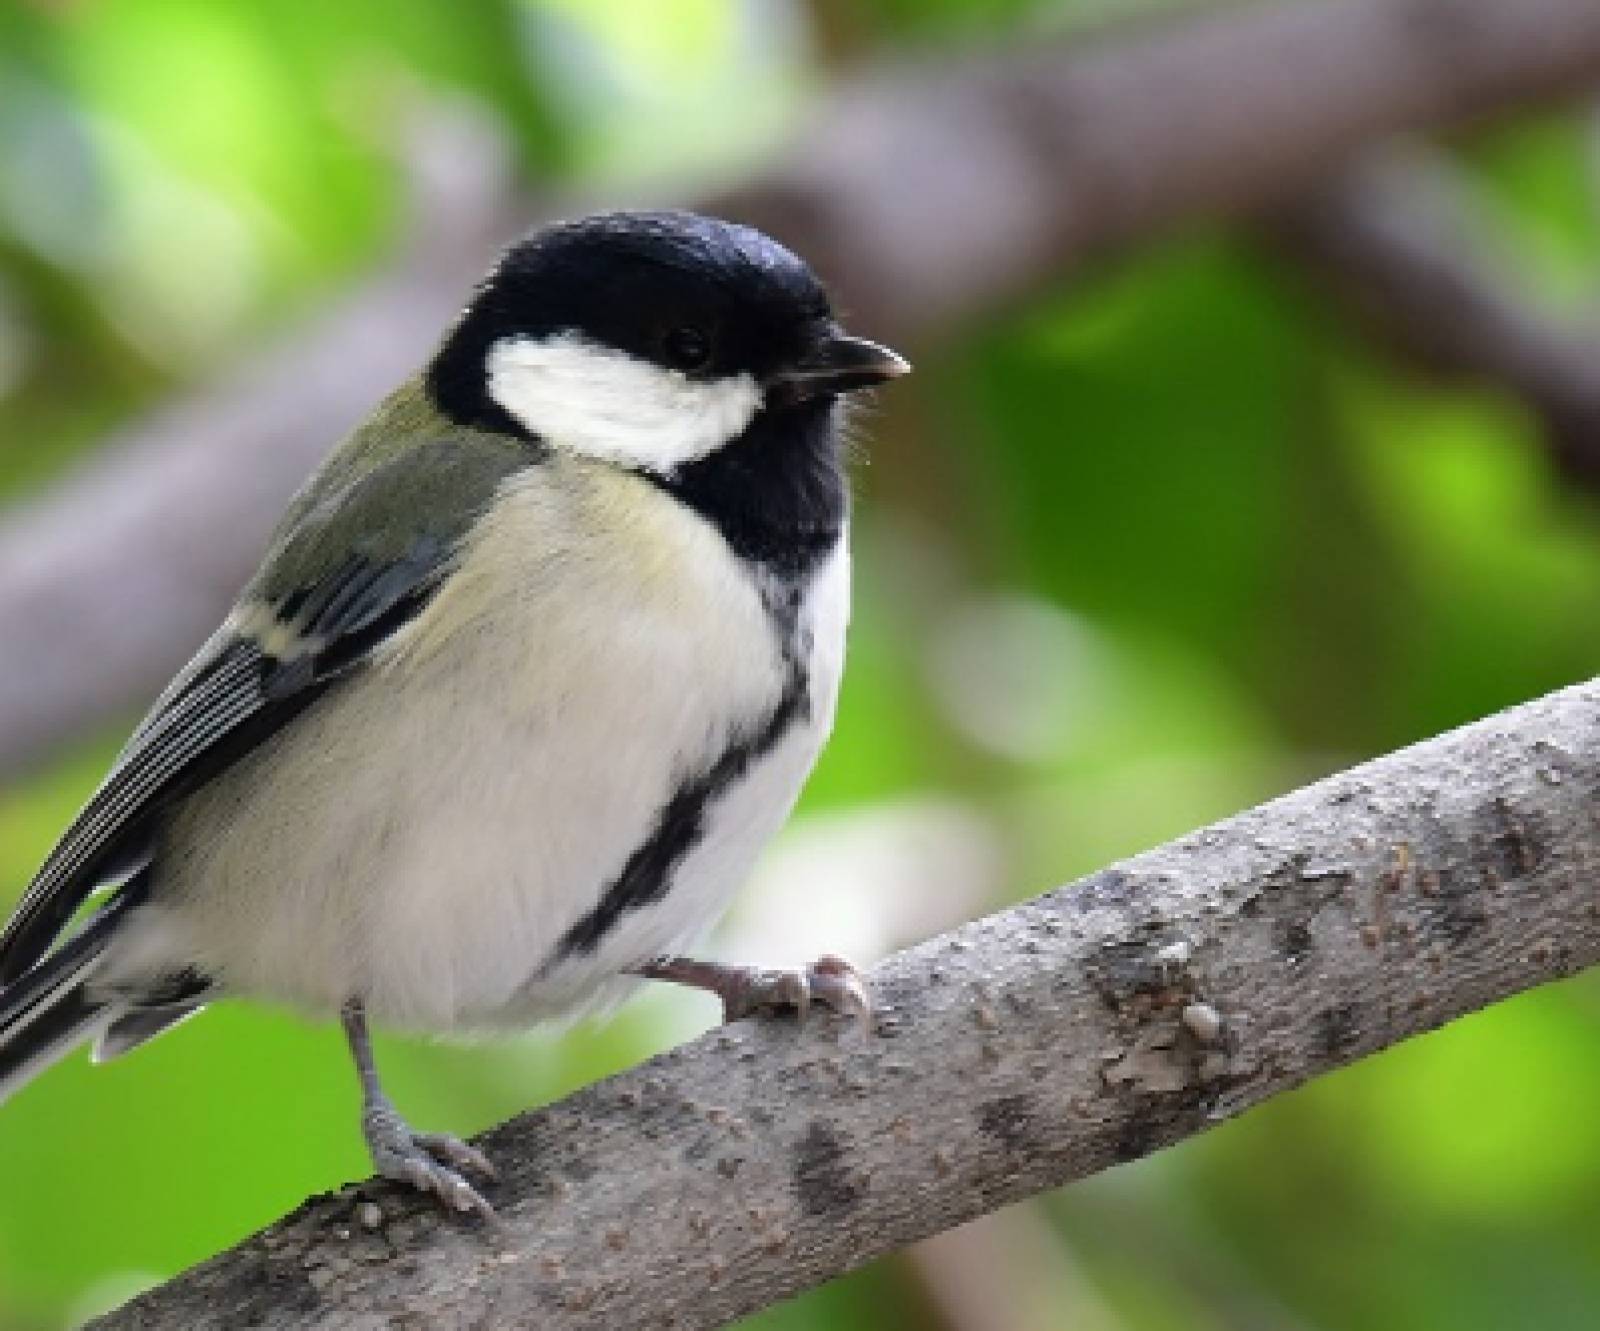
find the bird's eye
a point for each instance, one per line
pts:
(687, 348)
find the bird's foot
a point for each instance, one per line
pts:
(431, 1162)
(746, 990)
(831, 981)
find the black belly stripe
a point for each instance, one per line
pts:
(647, 876)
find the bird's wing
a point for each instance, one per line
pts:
(316, 611)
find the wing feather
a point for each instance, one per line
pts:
(241, 693)
(317, 610)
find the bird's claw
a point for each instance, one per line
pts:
(831, 981)
(430, 1162)
(838, 985)
(460, 1154)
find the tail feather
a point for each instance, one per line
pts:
(48, 1010)
(129, 1028)
(51, 1033)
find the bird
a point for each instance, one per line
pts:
(536, 662)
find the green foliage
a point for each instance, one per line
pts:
(1168, 540)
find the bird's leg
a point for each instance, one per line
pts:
(831, 981)
(428, 1161)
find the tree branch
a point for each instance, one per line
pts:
(933, 195)
(107, 584)
(1093, 1025)
(930, 196)
(1397, 243)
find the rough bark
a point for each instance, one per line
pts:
(928, 195)
(1095, 1024)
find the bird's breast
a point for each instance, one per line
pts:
(568, 763)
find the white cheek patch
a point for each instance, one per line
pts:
(609, 405)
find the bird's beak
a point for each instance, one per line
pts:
(839, 364)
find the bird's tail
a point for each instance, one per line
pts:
(48, 1010)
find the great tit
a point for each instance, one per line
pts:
(536, 662)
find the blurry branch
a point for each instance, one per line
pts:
(109, 583)
(1093, 1025)
(1398, 242)
(929, 196)
(1007, 1270)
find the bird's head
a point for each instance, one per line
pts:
(650, 340)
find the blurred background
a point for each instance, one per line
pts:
(1170, 520)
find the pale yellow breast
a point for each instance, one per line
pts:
(426, 834)
(579, 558)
